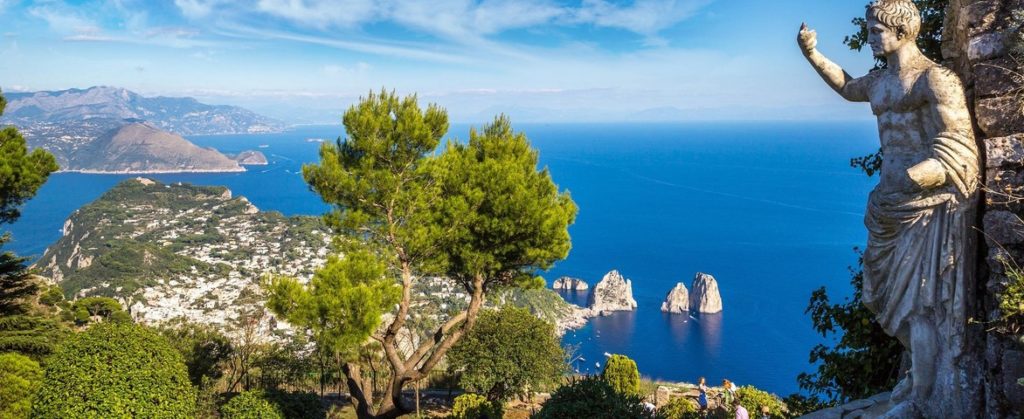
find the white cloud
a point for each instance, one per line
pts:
(645, 17)
(323, 13)
(195, 8)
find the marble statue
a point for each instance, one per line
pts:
(918, 264)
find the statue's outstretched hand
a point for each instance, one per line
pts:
(807, 38)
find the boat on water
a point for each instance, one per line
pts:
(315, 140)
(264, 145)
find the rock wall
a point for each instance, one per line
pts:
(613, 293)
(981, 43)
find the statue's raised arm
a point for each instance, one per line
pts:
(854, 90)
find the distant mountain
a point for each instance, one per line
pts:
(111, 106)
(142, 148)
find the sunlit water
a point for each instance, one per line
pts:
(772, 210)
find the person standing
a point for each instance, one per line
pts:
(741, 412)
(702, 398)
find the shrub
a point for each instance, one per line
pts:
(592, 398)
(508, 352)
(20, 378)
(204, 349)
(621, 373)
(678, 408)
(753, 399)
(475, 406)
(115, 370)
(297, 405)
(250, 405)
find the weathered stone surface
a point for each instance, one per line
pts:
(704, 295)
(677, 300)
(1000, 116)
(985, 47)
(1013, 366)
(998, 77)
(1004, 151)
(1005, 228)
(570, 284)
(613, 293)
(978, 17)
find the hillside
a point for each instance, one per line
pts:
(142, 148)
(41, 112)
(181, 252)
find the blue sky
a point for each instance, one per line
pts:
(537, 60)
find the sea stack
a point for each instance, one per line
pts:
(704, 296)
(570, 284)
(613, 293)
(677, 300)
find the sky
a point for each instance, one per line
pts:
(305, 61)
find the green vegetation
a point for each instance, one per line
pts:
(475, 406)
(128, 265)
(204, 350)
(592, 398)
(115, 370)
(250, 405)
(35, 336)
(865, 361)
(755, 401)
(678, 408)
(508, 353)
(20, 378)
(479, 214)
(622, 374)
(104, 308)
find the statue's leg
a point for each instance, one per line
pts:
(923, 353)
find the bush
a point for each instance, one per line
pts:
(753, 399)
(115, 370)
(250, 405)
(204, 349)
(297, 405)
(20, 378)
(678, 408)
(621, 373)
(508, 352)
(475, 406)
(592, 398)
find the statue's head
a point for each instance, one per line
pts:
(891, 24)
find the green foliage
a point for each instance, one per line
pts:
(933, 17)
(106, 308)
(754, 400)
(865, 361)
(204, 349)
(679, 408)
(1011, 299)
(622, 374)
(130, 265)
(115, 370)
(508, 352)
(21, 173)
(800, 405)
(343, 303)
(474, 406)
(33, 336)
(20, 378)
(297, 405)
(592, 398)
(374, 178)
(506, 218)
(250, 405)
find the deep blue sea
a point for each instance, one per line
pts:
(772, 210)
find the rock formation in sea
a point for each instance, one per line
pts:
(613, 293)
(704, 296)
(570, 284)
(677, 300)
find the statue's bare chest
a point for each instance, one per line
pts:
(896, 93)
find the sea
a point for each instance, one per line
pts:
(772, 210)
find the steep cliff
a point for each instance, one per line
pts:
(613, 293)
